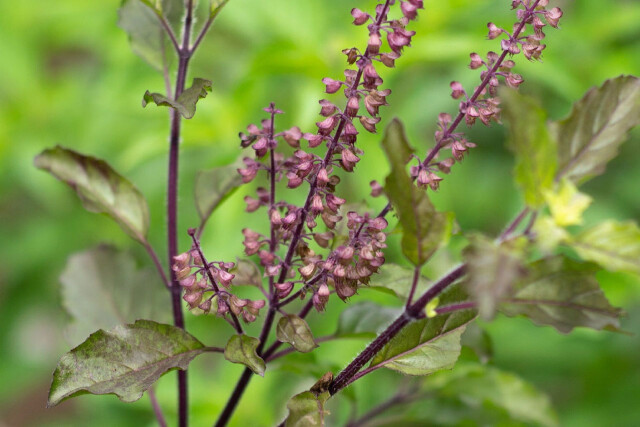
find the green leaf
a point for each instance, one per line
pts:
(186, 102)
(125, 361)
(428, 345)
(216, 7)
(242, 349)
(365, 319)
(140, 20)
(398, 280)
(295, 331)
(103, 288)
(596, 127)
(530, 141)
(478, 340)
(213, 187)
(100, 188)
(566, 203)
(614, 245)
(306, 409)
(480, 386)
(423, 228)
(246, 273)
(562, 293)
(492, 269)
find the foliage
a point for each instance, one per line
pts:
(539, 267)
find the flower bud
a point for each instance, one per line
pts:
(332, 85)
(359, 17)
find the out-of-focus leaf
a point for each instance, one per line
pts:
(246, 273)
(534, 148)
(428, 345)
(398, 280)
(103, 288)
(365, 319)
(423, 228)
(186, 102)
(140, 20)
(100, 188)
(478, 340)
(563, 293)
(216, 7)
(306, 409)
(567, 204)
(295, 331)
(242, 349)
(481, 386)
(492, 269)
(596, 127)
(548, 234)
(614, 245)
(125, 361)
(213, 187)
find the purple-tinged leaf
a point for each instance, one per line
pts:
(125, 361)
(100, 188)
(295, 331)
(307, 409)
(589, 138)
(214, 186)
(562, 293)
(103, 288)
(365, 320)
(492, 270)
(186, 102)
(242, 349)
(530, 141)
(423, 228)
(430, 344)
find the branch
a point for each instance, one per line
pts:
(410, 313)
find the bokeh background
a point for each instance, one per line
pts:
(68, 76)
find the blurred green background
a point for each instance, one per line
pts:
(69, 77)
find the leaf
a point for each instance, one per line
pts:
(140, 20)
(125, 361)
(246, 273)
(214, 186)
(614, 245)
(295, 331)
(480, 386)
(306, 409)
(428, 345)
(216, 8)
(596, 127)
(530, 141)
(478, 340)
(186, 102)
(492, 269)
(398, 280)
(242, 349)
(365, 320)
(423, 228)
(103, 288)
(562, 293)
(566, 203)
(100, 188)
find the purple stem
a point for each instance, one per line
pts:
(268, 323)
(409, 314)
(414, 285)
(172, 203)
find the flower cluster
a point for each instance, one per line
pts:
(483, 104)
(297, 227)
(202, 288)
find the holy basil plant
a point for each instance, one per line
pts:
(310, 245)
